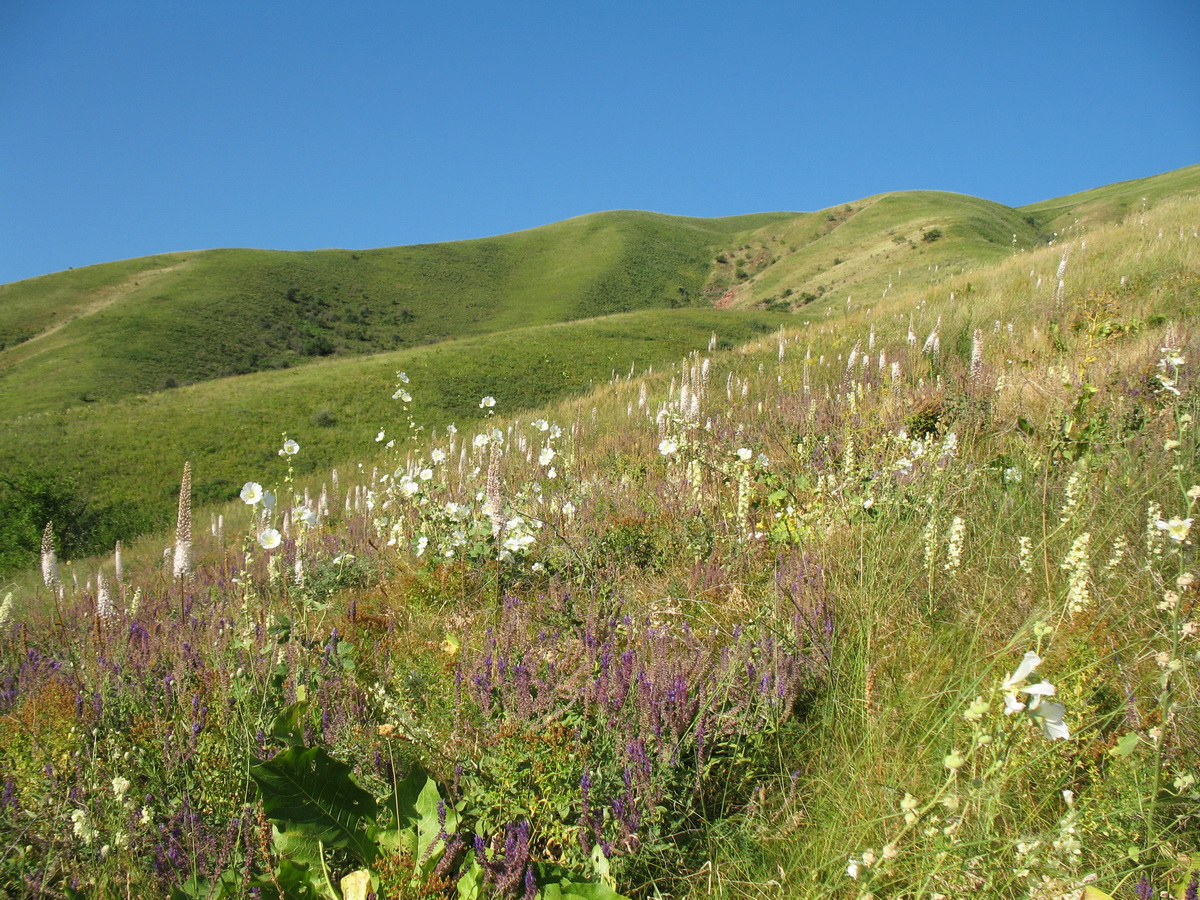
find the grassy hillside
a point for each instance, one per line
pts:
(146, 325)
(901, 604)
(124, 458)
(866, 248)
(109, 371)
(1114, 202)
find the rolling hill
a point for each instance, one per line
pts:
(109, 372)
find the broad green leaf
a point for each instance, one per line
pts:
(471, 881)
(416, 803)
(289, 881)
(310, 791)
(303, 848)
(1091, 893)
(587, 891)
(287, 728)
(1126, 745)
(228, 884)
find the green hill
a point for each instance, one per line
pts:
(110, 371)
(112, 468)
(1113, 202)
(140, 326)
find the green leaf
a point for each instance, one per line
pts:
(303, 848)
(287, 727)
(228, 884)
(1091, 893)
(416, 803)
(1126, 745)
(470, 882)
(584, 891)
(310, 791)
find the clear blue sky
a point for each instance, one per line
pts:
(129, 127)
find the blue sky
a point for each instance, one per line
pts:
(130, 127)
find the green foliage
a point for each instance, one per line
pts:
(32, 497)
(311, 794)
(316, 808)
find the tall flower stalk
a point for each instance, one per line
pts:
(49, 559)
(183, 526)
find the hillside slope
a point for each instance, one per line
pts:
(140, 326)
(1113, 202)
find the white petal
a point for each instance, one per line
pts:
(1028, 664)
(1043, 688)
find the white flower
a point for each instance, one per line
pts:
(426, 474)
(852, 868)
(304, 516)
(437, 455)
(487, 402)
(268, 500)
(379, 437)
(290, 448)
(1030, 662)
(1012, 704)
(745, 454)
(1042, 689)
(408, 487)
(1050, 716)
(480, 441)
(551, 472)
(252, 492)
(269, 539)
(451, 429)
(1168, 384)
(120, 787)
(402, 377)
(667, 446)
(518, 543)
(83, 827)
(1194, 492)
(541, 425)
(763, 460)
(545, 456)
(422, 544)
(1176, 529)
(402, 395)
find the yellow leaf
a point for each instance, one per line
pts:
(357, 885)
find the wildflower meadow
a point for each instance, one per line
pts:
(898, 601)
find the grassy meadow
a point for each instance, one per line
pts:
(893, 597)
